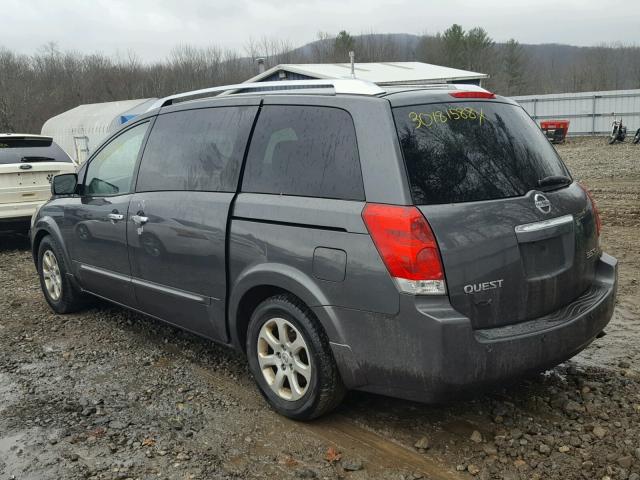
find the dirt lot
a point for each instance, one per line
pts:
(108, 394)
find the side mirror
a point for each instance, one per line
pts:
(64, 184)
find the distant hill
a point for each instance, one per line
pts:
(36, 87)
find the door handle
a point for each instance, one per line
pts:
(114, 217)
(139, 219)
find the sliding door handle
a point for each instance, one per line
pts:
(139, 219)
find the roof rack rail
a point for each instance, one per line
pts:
(417, 85)
(331, 85)
(443, 86)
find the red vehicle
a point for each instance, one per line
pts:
(555, 130)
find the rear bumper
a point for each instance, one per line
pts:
(429, 350)
(19, 210)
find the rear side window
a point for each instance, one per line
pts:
(198, 150)
(306, 151)
(472, 151)
(30, 150)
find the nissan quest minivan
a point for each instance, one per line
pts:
(408, 241)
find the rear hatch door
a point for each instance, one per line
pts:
(517, 236)
(27, 165)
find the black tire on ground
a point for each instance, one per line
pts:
(636, 138)
(71, 299)
(325, 390)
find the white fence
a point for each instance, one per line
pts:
(590, 113)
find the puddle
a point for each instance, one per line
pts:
(622, 342)
(23, 457)
(10, 445)
(9, 393)
(11, 455)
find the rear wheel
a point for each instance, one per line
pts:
(636, 138)
(58, 290)
(290, 358)
(614, 136)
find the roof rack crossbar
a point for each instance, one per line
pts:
(333, 85)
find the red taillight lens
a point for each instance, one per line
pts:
(473, 94)
(596, 212)
(407, 246)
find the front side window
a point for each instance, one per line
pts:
(196, 150)
(110, 172)
(305, 151)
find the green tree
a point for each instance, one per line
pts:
(343, 44)
(478, 49)
(454, 46)
(513, 68)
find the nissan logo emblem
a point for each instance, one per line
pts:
(542, 203)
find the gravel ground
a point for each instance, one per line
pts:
(109, 394)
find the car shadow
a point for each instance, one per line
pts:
(12, 240)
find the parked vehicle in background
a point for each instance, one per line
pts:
(618, 131)
(555, 130)
(413, 242)
(27, 165)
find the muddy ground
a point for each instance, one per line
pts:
(109, 394)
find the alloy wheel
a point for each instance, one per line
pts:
(284, 359)
(51, 274)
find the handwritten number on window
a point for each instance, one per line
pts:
(424, 119)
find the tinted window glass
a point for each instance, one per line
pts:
(29, 150)
(307, 151)
(110, 172)
(462, 152)
(196, 150)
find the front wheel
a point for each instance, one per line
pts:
(636, 138)
(60, 293)
(291, 360)
(614, 136)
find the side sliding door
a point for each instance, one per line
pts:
(187, 180)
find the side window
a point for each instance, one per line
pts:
(110, 172)
(305, 151)
(198, 150)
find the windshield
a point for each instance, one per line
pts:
(472, 151)
(29, 150)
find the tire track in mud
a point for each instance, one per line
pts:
(381, 452)
(378, 453)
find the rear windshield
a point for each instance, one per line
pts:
(30, 150)
(472, 151)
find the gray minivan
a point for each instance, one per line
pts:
(408, 241)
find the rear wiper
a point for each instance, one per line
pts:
(553, 181)
(37, 159)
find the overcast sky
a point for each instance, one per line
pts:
(152, 27)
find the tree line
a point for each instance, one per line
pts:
(36, 87)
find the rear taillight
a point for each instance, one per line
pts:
(596, 213)
(473, 94)
(407, 246)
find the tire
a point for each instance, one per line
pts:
(636, 138)
(324, 389)
(69, 299)
(613, 137)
